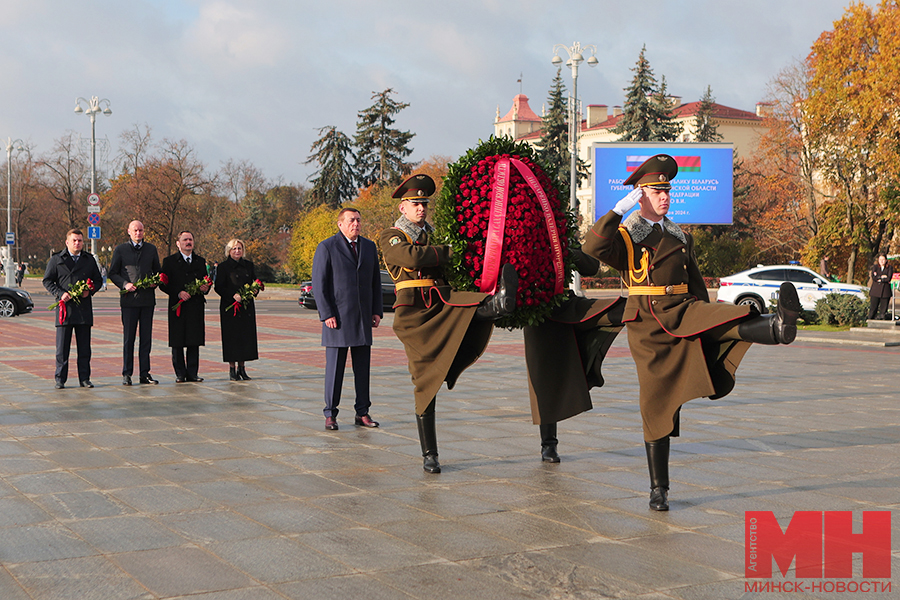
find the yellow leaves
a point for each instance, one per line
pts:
(316, 225)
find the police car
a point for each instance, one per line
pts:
(759, 285)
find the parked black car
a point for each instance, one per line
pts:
(388, 294)
(14, 301)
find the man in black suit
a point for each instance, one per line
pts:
(187, 331)
(347, 285)
(130, 262)
(65, 269)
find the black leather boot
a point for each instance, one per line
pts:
(503, 301)
(242, 373)
(658, 463)
(428, 440)
(780, 328)
(232, 374)
(549, 443)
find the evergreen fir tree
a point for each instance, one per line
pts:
(647, 115)
(638, 113)
(663, 126)
(334, 181)
(707, 129)
(553, 147)
(381, 149)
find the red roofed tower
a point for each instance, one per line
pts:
(519, 121)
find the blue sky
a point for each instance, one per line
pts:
(254, 81)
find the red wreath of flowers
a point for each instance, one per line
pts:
(538, 252)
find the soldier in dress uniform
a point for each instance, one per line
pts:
(564, 355)
(443, 331)
(683, 346)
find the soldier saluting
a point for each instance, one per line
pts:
(683, 346)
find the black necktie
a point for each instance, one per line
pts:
(657, 227)
(188, 260)
(353, 250)
(75, 257)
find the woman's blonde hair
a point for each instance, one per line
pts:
(232, 243)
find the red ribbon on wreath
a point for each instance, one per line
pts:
(62, 312)
(497, 225)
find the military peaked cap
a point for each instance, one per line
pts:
(416, 188)
(656, 172)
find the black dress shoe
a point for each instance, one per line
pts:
(86, 383)
(126, 379)
(59, 385)
(366, 421)
(180, 380)
(194, 379)
(148, 380)
(331, 424)
(232, 374)
(242, 373)
(658, 499)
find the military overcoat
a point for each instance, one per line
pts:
(675, 339)
(434, 323)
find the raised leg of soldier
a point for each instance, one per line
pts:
(780, 328)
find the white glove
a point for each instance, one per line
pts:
(629, 201)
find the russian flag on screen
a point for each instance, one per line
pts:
(685, 163)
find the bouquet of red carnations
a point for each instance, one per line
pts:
(75, 291)
(248, 292)
(149, 281)
(192, 288)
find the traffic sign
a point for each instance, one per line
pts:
(10, 238)
(93, 198)
(95, 209)
(93, 233)
(94, 219)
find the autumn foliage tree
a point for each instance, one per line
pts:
(852, 123)
(313, 227)
(163, 192)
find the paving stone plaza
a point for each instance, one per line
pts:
(234, 491)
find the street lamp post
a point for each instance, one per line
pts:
(10, 146)
(92, 107)
(575, 58)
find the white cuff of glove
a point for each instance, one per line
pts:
(628, 202)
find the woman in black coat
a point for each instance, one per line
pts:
(238, 326)
(880, 292)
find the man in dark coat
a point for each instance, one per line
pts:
(187, 330)
(443, 331)
(65, 269)
(347, 287)
(132, 261)
(683, 346)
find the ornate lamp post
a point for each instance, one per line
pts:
(91, 108)
(8, 266)
(575, 58)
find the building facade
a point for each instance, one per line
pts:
(741, 128)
